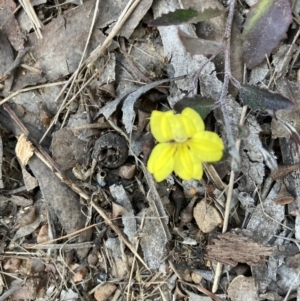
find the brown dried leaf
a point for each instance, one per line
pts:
(24, 149)
(43, 235)
(33, 287)
(207, 216)
(117, 210)
(127, 171)
(242, 286)
(103, 292)
(196, 46)
(284, 197)
(80, 274)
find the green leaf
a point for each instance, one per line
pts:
(199, 46)
(200, 104)
(263, 99)
(266, 25)
(181, 16)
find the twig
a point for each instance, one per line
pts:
(228, 203)
(227, 76)
(36, 23)
(1, 158)
(44, 156)
(6, 99)
(17, 61)
(81, 245)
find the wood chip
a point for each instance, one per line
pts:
(237, 246)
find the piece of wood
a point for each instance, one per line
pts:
(237, 246)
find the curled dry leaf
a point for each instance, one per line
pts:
(126, 171)
(207, 216)
(43, 234)
(24, 149)
(117, 210)
(103, 292)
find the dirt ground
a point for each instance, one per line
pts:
(81, 217)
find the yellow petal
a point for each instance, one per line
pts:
(186, 165)
(207, 146)
(161, 161)
(160, 125)
(197, 167)
(194, 118)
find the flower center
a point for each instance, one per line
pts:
(180, 138)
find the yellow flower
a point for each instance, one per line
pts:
(183, 145)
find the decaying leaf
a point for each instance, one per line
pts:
(180, 16)
(203, 105)
(24, 149)
(243, 288)
(29, 181)
(43, 235)
(31, 289)
(103, 292)
(128, 112)
(207, 216)
(196, 46)
(263, 99)
(266, 25)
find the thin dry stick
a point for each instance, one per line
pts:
(227, 76)
(3, 101)
(228, 203)
(44, 156)
(122, 19)
(36, 23)
(1, 158)
(232, 147)
(109, 222)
